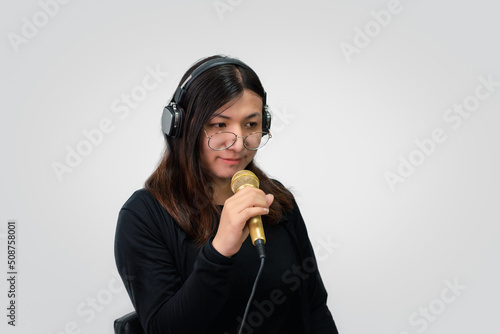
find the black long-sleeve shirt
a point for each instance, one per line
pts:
(178, 287)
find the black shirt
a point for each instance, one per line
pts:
(177, 287)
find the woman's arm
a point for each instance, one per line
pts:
(147, 266)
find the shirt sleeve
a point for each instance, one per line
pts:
(320, 318)
(147, 265)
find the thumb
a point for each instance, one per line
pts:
(270, 199)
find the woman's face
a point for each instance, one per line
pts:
(242, 116)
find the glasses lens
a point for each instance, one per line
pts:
(221, 140)
(256, 140)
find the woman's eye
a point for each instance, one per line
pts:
(218, 125)
(252, 125)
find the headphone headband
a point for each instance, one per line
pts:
(182, 89)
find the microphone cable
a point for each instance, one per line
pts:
(262, 260)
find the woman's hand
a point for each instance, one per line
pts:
(245, 204)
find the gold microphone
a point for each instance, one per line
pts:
(240, 180)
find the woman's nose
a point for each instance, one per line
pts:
(238, 145)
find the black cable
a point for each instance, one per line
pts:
(262, 259)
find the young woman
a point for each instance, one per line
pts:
(182, 246)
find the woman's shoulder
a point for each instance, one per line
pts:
(144, 207)
(139, 199)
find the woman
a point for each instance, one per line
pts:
(182, 246)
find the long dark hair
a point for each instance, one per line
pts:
(180, 183)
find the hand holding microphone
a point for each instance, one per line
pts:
(241, 215)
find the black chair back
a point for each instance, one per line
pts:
(128, 324)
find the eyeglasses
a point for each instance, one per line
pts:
(223, 140)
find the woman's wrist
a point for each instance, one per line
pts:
(220, 249)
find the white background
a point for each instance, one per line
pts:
(341, 123)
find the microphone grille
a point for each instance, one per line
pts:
(242, 178)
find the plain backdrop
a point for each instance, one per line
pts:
(384, 127)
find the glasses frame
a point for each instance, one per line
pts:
(236, 138)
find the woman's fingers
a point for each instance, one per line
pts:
(247, 197)
(255, 211)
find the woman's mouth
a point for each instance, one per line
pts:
(231, 161)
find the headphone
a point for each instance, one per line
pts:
(172, 117)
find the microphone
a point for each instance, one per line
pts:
(240, 180)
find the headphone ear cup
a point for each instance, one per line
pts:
(266, 124)
(171, 121)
